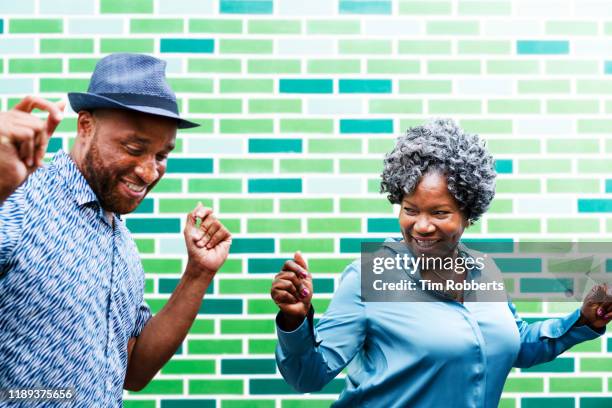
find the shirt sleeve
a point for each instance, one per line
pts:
(143, 316)
(308, 357)
(544, 340)
(11, 226)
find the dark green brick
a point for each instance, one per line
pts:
(519, 264)
(596, 402)
(256, 245)
(215, 387)
(154, 225)
(248, 366)
(221, 306)
(265, 265)
(306, 403)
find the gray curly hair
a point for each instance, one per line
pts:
(441, 145)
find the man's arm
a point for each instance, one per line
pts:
(207, 248)
(23, 141)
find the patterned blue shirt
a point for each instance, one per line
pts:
(71, 289)
(419, 354)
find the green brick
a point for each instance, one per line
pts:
(215, 185)
(213, 346)
(333, 27)
(332, 146)
(168, 185)
(35, 65)
(262, 346)
(564, 67)
(594, 126)
(512, 67)
(201, 326)
(138, 404)
(524, 385)
(182, 205)
(378, 146)
(454, 106)
(255, 205)
(576, 384)
(328, 265)
(215, 105)
(537, 166)
(571, 107)
(513, 146)
(393, 66)
(274, 66)
(35, 26)
(595, 166)
(214, 386)
(158, 26)
(596, 364)
(514, 106)
(424, 47)
(274, 27)
(365, 205)
(162, 265)
(158, 386)
(425, 86)
(306, 125)
(577, 225)
(242, 286)
(108, 45)
(306, 205)
(486, 47)
(528, 86)
(364, 47)
(591, 346)
(214, 65)
(453, 67)
(516, 225)
(250, 326)
(246, 126)
(361, 166)
(274, 225)
(593, 86)
(82, 64)
(191, 85)
(246, 86)
(215, 26)
(246, 165)
(485, 8)
(334, 225)
(248, 366)
(175, 366)
(507, 403)
(487, 126)
(334, 66)
(425, 7)
(452, 28)
(307, 245)
(66, 46)
(573, 146)
(306, 166)
(572, 186)
(500, 206)
(145, 246)
(122, 7)
(230, 46)
(572, 28)
(275, 106)
(395, 106)
(261, 306)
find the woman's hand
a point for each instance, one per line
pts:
(292, 292)
(596, 309)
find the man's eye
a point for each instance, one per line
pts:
(161, 157)
(133, 151)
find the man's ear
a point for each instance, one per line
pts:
(86, 124)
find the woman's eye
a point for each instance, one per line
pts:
(409, 211)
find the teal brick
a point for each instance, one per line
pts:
(275, 185)
(248, 366)
(547, 402)
(221, 306)
(276, 386)
(187, 403)
(536, 285)
(306, 86)
(275, 145)
(246, 6)
(255, 245)
(595, 402)
(383, 225)
(365, 86)
(154, 225)
(594, 205)
(364, 6)
(519, 264)
(542, 47)
(145, 206)
(253, 403)
(189, 45)
(366, 125)
(185, 165)
(126, 7)
(558, 365)
(265, 265)
(353, 245)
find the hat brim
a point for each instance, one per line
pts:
(84, 101)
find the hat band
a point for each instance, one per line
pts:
(143, 100)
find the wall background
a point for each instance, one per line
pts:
(298, 101)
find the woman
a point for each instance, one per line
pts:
(439, 352)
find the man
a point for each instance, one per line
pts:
(72, 314)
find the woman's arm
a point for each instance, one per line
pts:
(308, 357)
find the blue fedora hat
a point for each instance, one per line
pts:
(130, 81)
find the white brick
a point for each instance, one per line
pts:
(306, 7)
(332, 106)
(306, 47)
(333, 185)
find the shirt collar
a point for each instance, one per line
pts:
(74, 179)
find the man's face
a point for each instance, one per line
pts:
(125, 156)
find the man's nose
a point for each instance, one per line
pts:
(147, 171)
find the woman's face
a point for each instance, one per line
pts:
(430, 218)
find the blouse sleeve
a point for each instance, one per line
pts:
(308, 357)
(544, 340)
